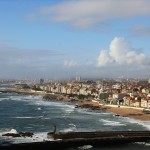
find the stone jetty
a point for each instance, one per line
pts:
(107, 138)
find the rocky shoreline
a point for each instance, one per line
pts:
(124, 111)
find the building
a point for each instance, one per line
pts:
(78, 78)
(41, 81)
(149, 80)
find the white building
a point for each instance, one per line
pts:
(78, 78)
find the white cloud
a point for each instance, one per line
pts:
(86, 13)
(120, 52)
(104, 58)
(70, 63)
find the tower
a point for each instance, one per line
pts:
(41, 81)
(78, 78)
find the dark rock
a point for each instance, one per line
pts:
(20, 134)
(12, 134)
(50, 97)
(26, 134)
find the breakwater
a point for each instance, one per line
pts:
(69, 143)
(99, 134)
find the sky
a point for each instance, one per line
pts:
(58, 39)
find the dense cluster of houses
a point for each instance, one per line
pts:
(136, 94)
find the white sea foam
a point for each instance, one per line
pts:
(86, 111)
(111, 123)
(85, 147)
(13, 131)
(16, 98)
(37, 137)
(67, 110)
(27, 117)
(71, 124)
(147, 144)
(46, 118)
(48, 103)
(70, 129)
(28, 98)
(145, 124)
(1, 99)
(39, 108)
(5, 131)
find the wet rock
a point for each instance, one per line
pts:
(20, 134)
(26, 134)
(12, 134)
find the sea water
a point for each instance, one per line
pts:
(30, 113)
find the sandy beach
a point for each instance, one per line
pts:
(131, 112)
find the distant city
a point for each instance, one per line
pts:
(126, 92)
(76, 78)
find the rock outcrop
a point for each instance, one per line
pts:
(20, 134)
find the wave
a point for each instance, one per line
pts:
(24, 97)
(12, 131)
(72, 128)
(46, 118)
(1, 99)
(85, 147)
(145, 124)
(28, 117)
(37, 137)
(91, 112)
(39, 108)
(71, 124)
(111, 123)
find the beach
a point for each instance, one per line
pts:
(131, 112)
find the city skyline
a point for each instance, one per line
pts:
(67, 38)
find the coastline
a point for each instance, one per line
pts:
(91, 104)
(124, 111)
(130, 112)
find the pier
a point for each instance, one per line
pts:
(98, 134)
(77, 139)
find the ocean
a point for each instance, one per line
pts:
(30, 113)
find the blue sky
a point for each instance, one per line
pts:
(64, 38)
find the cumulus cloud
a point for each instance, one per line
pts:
(86, 13)
(70, 63)
(120, 52)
